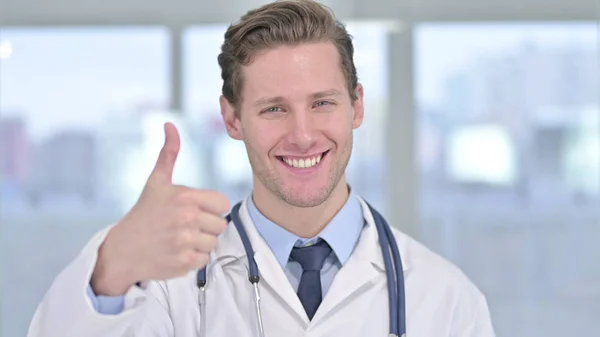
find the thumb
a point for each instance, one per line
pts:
(163, 170)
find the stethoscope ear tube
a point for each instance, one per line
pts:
(202, 301)
(399, 279)
(391, 284)
(253, 275)
(395, 283)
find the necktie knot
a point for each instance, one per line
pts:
(311, 258)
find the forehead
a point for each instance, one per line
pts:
(293, 72)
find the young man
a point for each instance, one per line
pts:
(290, 93)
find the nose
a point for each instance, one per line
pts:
(302, 129)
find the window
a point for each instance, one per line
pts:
(72, 103)
(509, 160)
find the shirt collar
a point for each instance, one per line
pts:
(341, 233)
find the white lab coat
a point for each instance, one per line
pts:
(440, 300)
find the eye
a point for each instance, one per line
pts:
(271, 110)
(323, 104)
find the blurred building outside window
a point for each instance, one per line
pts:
(509, 162)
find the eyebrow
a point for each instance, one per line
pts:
(280, 99)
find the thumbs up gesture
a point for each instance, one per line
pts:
(168, 232)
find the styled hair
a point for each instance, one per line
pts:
(280, 23)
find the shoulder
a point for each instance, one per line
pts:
(434, 278)
(421, 259)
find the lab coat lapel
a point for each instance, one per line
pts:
(364, 267)
(356, 275)
(272, 276)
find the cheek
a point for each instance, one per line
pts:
(261, 137)
(338, 128)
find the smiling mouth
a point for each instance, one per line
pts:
(302, 162)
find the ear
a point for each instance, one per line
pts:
(358, 107)
(232, 122)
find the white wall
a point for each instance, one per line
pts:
(182, 12)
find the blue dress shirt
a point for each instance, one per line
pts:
(342, 234)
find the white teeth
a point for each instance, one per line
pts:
(303, 163)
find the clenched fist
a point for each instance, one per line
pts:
(170, 230)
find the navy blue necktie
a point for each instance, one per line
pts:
(311, 259)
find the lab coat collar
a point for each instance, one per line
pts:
(341, 233)
(370, 239)
(366, 253)
(364, 267)
(271, 273)
(370, 251)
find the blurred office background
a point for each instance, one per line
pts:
(481, 138)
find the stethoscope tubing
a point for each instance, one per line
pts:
(393, 268)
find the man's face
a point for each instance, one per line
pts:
(296, 120)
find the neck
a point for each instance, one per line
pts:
(305, 222)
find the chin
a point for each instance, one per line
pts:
(301, 187)
(305, 194)
(304, 201)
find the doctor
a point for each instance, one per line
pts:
(290, 93)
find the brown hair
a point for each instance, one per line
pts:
(284, 22)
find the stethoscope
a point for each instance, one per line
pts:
(393, 271)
